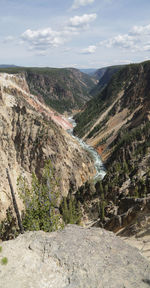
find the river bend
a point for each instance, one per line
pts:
(100, 169)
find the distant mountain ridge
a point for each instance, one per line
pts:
(89, 71)
(7, 66)
(63, 89)
(104, 75)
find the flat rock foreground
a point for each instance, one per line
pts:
(72, 258)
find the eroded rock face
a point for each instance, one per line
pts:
(72, 258)
(29, 137)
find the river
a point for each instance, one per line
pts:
(100, 169)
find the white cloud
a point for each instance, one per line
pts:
(78, 23)
(136, 40)
(41, 39)
(81, 21)
(78, 3)
(122, 41)
(140, 30)
(89, 50)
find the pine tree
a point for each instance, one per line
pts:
(106, 189)
(71, 211)
(65, 210)
(101, 190)
(102, 210)
(136, 192)
(125, 167)
(145, 191)
(79, 213)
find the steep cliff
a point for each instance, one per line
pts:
(29, 136)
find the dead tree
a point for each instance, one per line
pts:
(15, 203)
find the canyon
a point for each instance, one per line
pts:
(120, 107)
(112, 125)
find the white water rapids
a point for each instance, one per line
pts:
(100, 170)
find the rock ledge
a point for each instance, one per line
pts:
(73, 258)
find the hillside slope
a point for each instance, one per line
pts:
(117, 124)
(117, 105)
(62, 89)
(104, 75)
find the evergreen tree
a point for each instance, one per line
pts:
(125, 167)
(106, 189)
(79, 213)
(136, 192)
(65, 210)
(102, 210)
(145, 191)
(100, 188)
(71, 210)
(40, 201)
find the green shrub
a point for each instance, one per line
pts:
(4, 261)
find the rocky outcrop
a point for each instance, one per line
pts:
(130, 214)
(29, 137)
(74, 257)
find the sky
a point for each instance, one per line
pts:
(74, 33)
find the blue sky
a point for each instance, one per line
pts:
(74, 33)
